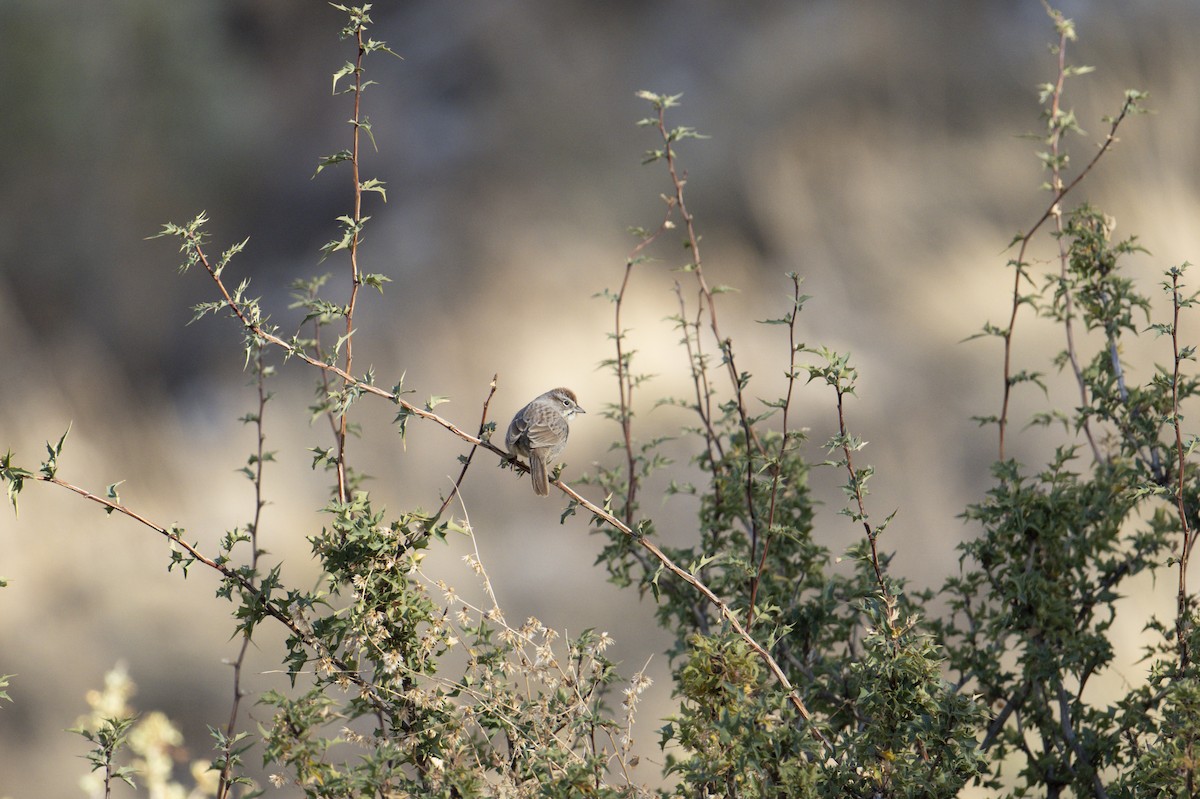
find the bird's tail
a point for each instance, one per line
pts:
(537, 475)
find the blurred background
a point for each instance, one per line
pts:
(873, 147)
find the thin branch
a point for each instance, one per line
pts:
(696, 266)
(778, 470)
(708, 301)
(716, 452)
(856, 485)
(1068, 730)
(625, 382)
(1056, 163)
(270, 608)
(471, 454)
(1109, 140)
(355, 278)
(1011, 706)
(225, 784)
(1183, 601)
(625, 396)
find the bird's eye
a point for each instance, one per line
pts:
(567, 402)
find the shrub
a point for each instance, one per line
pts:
(795, 676)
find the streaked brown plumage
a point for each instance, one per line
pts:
(539, 432)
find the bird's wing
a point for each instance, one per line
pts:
(516, 429)
(547, 431)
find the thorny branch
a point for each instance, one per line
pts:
(1057, 161)
(793, 314)
(856, 484)
(355, 277)
(271, 609)
(1183, 614)
(1060, 192)
(625, 381)
(707, 299)
(225, 784)
(467, 461)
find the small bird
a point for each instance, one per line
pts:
(539, 432)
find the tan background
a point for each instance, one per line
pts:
(870, 146)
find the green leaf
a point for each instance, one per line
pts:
(14, 476)
(654, 582)
(375, 281)
(330, 160)
(347, 69)
(374, 185)
(111, 493)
